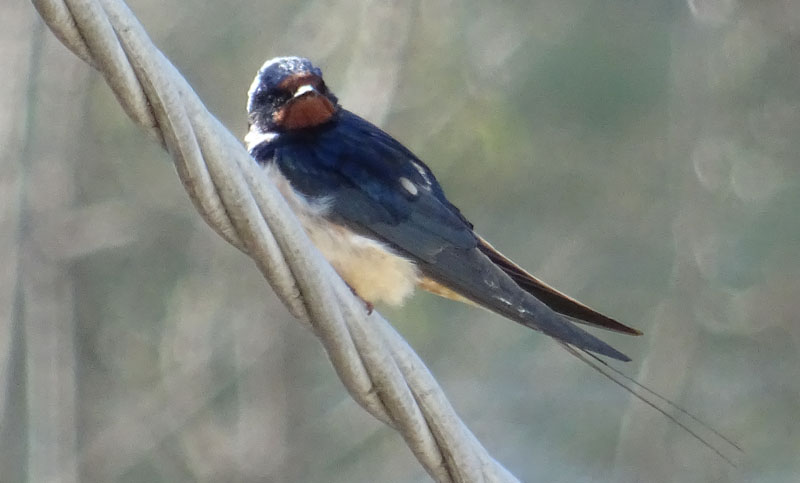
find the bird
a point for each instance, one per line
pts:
(379, 216)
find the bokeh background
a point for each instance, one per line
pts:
(639, 155)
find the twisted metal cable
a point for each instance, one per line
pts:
(381, 372)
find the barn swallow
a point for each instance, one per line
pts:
(380, 217)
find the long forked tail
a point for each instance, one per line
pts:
(479, 278)
(474, 276)
(654, 400)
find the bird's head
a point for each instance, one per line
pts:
(288, 94)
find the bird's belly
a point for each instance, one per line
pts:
(372, 269)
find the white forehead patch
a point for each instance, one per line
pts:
(303, 89)
(409, 186)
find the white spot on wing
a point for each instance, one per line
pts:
(504, 300)
(370, 267)
(409, 186)
(422, 173)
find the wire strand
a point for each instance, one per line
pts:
(378, 368)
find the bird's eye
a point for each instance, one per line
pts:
(276, 98)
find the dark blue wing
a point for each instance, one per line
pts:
(358, 167)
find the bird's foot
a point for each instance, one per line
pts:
(368, 305)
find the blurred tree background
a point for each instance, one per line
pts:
(641, 156)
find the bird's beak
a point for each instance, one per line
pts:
(303, 90)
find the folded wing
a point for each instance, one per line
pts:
(558, 301)
(376, 187)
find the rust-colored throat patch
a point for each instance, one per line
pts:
(308, 108)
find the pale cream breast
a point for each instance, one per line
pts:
(372, 269)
